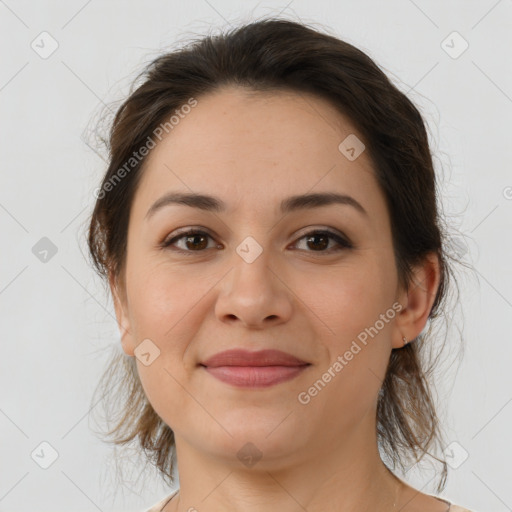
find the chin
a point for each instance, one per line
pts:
(272, 436)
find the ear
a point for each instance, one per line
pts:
(417, 301)
(118, 291)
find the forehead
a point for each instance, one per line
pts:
(249, 146)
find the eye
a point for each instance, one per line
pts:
(194, 240)
(319, 240)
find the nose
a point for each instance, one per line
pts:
(254, 294)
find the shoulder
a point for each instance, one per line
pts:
(157, 507)
(447, 505)
(457, 508)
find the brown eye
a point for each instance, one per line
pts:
(191, 241)
(196, 241)
(315, 241)
(318, 241)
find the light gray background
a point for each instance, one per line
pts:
(56, 319)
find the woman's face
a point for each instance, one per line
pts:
(257, 279)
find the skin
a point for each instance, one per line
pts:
(253, 150)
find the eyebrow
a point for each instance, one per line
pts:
(290, 204)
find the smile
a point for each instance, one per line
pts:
(255, 376)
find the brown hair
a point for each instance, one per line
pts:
(268, 55)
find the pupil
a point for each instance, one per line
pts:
(326, 241)
(192, 239)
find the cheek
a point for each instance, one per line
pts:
(165, 309)
(348, 301)
(355, 309)
(169, 308)
(346, 387)
(160, 299)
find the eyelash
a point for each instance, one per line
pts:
(343, 243)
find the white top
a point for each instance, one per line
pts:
(161, 504)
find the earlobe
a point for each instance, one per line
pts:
(120, 307)
(417, 301)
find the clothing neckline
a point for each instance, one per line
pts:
(171, 496)
(443, 500)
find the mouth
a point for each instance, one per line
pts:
(246, 369)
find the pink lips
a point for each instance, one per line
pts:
(254, 369)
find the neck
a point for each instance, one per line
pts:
(339, 475)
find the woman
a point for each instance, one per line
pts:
(269, 230)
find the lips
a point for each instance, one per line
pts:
(262, 369)
(239, 357)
